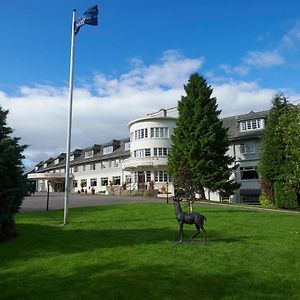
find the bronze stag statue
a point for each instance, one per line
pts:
(188, 218)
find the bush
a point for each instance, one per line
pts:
(267, 191)
(265, 201)
(285, 196)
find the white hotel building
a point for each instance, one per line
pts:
(136, 164)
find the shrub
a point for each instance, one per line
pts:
(285, 196)
(265, 201)
(267, 191)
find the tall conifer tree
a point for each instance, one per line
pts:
(12, 182)
(200, 142)
(272, 151)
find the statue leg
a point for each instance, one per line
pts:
(205, 236)
(193, 236)
(180, 233)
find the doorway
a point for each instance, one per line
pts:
(141, 180)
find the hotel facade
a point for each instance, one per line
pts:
(138, 164)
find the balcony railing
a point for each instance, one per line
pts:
(131, 163)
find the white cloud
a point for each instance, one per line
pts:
(263, 59)
(242, 97)
(241, 70)
(170, 72)
(291, 39)
(39, 114)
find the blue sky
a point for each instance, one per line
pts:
(137, 60)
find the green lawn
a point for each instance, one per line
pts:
(128, 252)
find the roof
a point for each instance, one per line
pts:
(119, 151)
(232, 124)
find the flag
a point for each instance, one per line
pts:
(89, 17)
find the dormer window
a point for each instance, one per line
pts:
(71, 157)
(107, 150)
(45, 165)
(254, 124)
(56, 161)
(88, 153)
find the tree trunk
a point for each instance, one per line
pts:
(190, 205)
(202, 193)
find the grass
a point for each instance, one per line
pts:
(128, 252)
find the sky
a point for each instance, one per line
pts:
(137, 61)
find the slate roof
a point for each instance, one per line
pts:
(119, 151)
(232, 123)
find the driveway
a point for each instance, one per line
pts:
(38, 201)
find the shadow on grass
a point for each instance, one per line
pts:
(35, 240)
(39, 240)
(119, 280)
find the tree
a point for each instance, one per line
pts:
(272, 151)
(198, 158)
(12, 181)
(289, 123)
(287, 185)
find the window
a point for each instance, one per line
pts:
(128, 179)
(107, 150)
(148, 176)
(116, 180)
(75, 168)
(104, 181)
(127, 146)
(248, 173)
(252, 124)
(88, 153)
(161, 151)
(56, 161)
(117, 163)
(75, 183)
(93, 167)
(141, 134)
(93, 182)
(83, 183)
(104, 164)
(135, 176)
(159, 132)
(162, 176)
(247, 148)
(71, 157)
(142, 152)
(83, 168)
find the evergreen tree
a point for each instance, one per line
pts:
(198, 159)
(272, 151)
(289, 177)
(12, 182)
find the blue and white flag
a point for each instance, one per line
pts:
(89, 17)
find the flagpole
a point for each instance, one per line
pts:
(67, 178)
